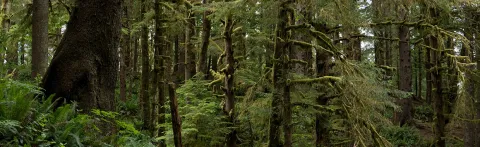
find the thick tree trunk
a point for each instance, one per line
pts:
(125, 54)
(160, 48)
(144, 97)
(405, 73)
(39, 37)
(202, 60)
(279, 75)
(85, 65)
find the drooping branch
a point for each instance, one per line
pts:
(315, 80)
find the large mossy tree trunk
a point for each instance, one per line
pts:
(39, 37)
(279, 74)
(144, 86)
(159, 69)
(85, 65)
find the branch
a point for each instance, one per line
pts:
(305, 44)
(298, 61)
(314, 80)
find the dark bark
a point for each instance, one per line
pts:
(388, 50)
(323, 65)
(378, 32)
(419, 73)
(428, 75)
(144, 96)
(279, 75)
(471, 137)
(136, 45)
(202, 60)
(159, 68)
(438, 101)
(22, 51)
(39, 37)
(176, 119)
(229, 108)
(179, 60)
(405, 73)
(125, 54)
(85, 65)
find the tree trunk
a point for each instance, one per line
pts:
(229, 108)
(279, 75)
(378, 32)
(176, 119)
(388, 51)
(144, 97)
(85, 65)
(39, 37)
(202, 60)
(125, 54)
(428, 74)
(160, 48)
(471, 137)
(323, 65)
(179, 60)
(189, 46)
(404, 72)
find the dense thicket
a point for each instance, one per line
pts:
(239, 73)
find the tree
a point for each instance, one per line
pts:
(39, 37)
(159, 67)
(405, 70)
(202, 59)
(85, 65)
(144, 97)
(280, 91)
(229, 108)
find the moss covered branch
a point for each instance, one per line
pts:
(314, 80)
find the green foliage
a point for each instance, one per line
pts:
(203, 121)
(423, 112)
(403, 136)
(26, 121)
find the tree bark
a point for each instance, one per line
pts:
(39, 37)
(229, 108)
(189, 46)
(144, 97)
(202, 60)
(323, 65)
(279, 75)
(405, 72)
(125, 53)
(85, 65)
(160, 48)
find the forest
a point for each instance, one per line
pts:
(254, 73)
